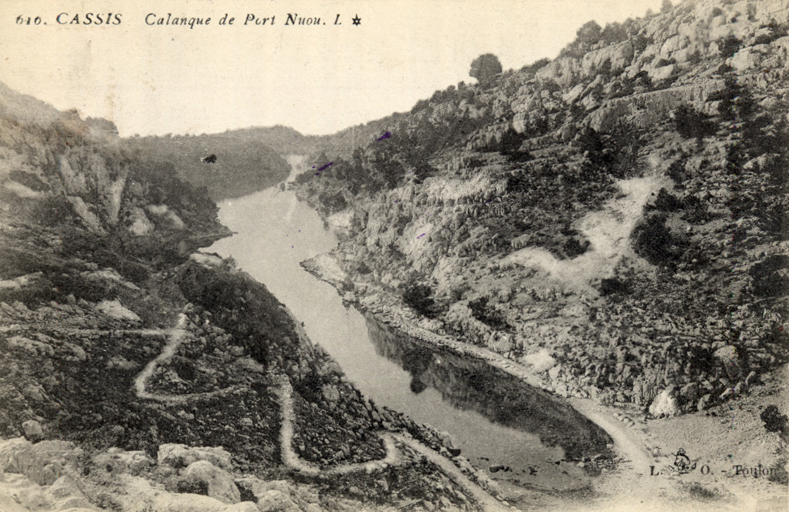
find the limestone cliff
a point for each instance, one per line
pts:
(622, 207)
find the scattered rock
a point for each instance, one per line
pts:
(704, 402)
(330, 393)
(114, 309)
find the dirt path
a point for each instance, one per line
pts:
(393, 456)
(488, 502)
(291, 458)
(607, 230)
(626, 442)
(177, 336)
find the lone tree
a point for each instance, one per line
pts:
(589, 34)
(485, 67)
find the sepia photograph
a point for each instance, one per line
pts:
(402, 256)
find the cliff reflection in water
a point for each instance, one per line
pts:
(471, 384)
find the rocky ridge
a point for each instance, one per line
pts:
(659, 143)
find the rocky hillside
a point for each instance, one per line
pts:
(619, 211)
(138, 374)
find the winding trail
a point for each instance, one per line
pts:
(626, 442)
(177, 336)
(290, 458)
(487, 501)
(393, 456)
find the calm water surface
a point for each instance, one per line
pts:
(275, 232)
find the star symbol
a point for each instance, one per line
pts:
(356, 20)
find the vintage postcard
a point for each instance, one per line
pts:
(292, 255)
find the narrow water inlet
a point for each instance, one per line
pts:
(493, 419)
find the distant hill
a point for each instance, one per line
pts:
(243, 163)
(285, 140)
(249, 159)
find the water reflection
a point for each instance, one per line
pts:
(471, 384)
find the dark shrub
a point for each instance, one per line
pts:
(574, 246)
(534, 67)
(309, 387)
(612, 285)
(511, 143)
(653, 241)
(192, 487)
(692, 124)
(773, 420)
(332, 202)
(677, 172)
(642, 79)
(666, 202)
(614, 33)
(736, 101)
(485, 314)
(729, 46)
(418, 297)
(770, 277)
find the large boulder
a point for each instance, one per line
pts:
(274, 500)
(731, 361)
(219, 482)
(330, 393)
(618, 57)
(41, 462)
(749, 58)
(665, 404)
(66, 494)
(33, 431)
(114, 309)
(179, 455)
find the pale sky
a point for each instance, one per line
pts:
(317, 79)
